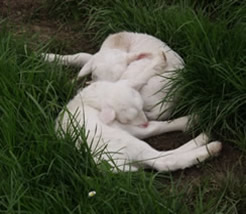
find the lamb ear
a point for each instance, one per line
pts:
(87, 69)
(137, 56)
(107, 115)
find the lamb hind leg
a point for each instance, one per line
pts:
(142, 155)
(182, 160)
(78, 59)
(138, 154)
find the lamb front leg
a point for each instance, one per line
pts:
(154, 128)
(77, 60)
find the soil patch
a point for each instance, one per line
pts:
(29, 17)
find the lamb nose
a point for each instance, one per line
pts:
(145, 125)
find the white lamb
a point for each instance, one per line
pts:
(131, 56)
(113, 116)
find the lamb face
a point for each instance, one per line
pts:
(116, 101)
(128, 105)
(106, 65)
(110, 64)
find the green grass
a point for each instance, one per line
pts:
(40, 173)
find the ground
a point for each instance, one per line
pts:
(18, 13)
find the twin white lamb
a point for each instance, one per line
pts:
(119, 107)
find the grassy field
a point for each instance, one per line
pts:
(40, 173)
